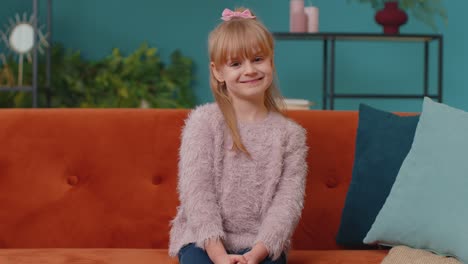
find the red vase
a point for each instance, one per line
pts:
(391, 18)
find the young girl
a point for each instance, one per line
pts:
(242, 165)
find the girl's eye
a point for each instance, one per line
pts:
(234, 64)
(259, 58)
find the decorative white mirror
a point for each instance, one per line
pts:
(20, 39)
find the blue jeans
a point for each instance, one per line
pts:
(191, 254)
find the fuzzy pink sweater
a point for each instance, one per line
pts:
(229, 196)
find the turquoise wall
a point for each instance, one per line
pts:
(95, 27)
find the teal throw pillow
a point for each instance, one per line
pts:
(382, 143)
(426, 207)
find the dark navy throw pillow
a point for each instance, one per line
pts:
(383, 140)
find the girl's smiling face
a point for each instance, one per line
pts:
(246, 78)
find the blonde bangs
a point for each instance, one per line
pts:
(239, 40)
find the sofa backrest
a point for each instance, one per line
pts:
(331, 139)
(107, 178)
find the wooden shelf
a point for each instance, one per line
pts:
(356, 36)
(329, 40)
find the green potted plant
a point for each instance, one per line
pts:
(140, 79)
(425, 11)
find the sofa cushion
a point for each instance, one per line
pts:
(426, 207)
(382, 142)
(72, 178)
(160, 256)
(85, 256)
(407, 255)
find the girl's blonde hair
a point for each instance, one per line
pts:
(240, 38)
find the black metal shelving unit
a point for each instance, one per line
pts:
(329, 41)
(34, 86)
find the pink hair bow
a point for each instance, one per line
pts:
(229, 14)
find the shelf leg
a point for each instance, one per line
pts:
(441, 70)
(325, 75)
(332, 75)
(34, 81)
(426, 68)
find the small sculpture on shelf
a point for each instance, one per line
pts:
(391, 17)
(390, 12)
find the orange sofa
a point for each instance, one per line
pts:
(99, 186)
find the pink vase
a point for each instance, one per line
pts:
(312, 13)
(297, 16)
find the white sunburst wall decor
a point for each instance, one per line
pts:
(19, 39)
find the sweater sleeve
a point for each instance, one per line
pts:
(196, 179)
(286, 207)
